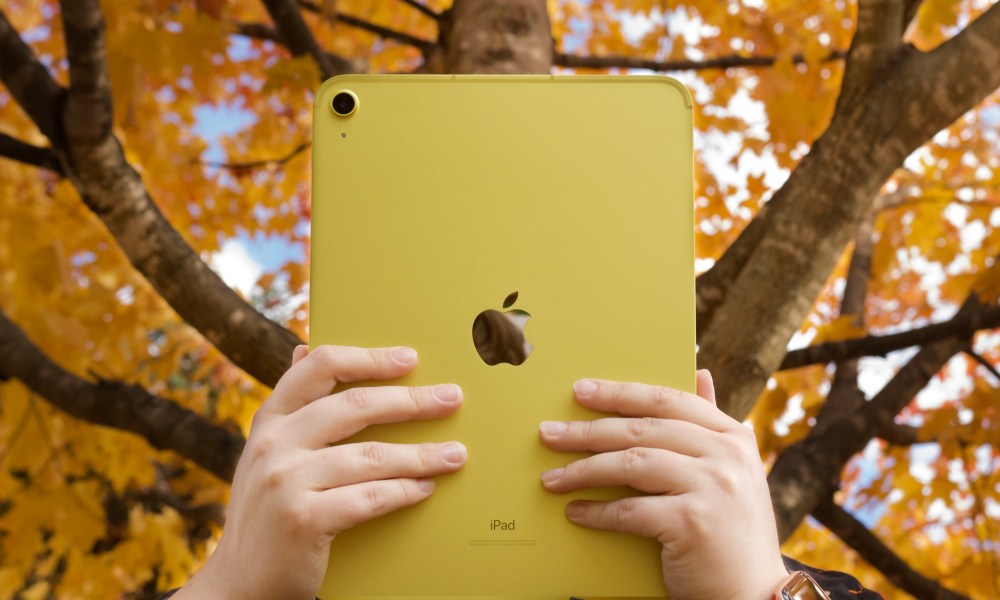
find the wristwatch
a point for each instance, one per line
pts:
(799, 586)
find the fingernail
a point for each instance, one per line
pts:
(553, 427)
(447, 392)
(454, 453)
(426, 485)
(584, 387)
(404, 355)
(553, 474)
(575, 509)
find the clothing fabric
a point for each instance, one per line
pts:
(839, 586)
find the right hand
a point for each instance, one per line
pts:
(293, 493)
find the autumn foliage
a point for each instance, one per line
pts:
(210, 121)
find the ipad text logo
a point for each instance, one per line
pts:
(498, 525)
(499, 336)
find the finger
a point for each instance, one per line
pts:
(325, 366)
(341, 415)
(608, 435)
(641, 400)
(648, 516)
(705, 386)
(341, 508)
(299, 353)
(348, 464)
(648, 470)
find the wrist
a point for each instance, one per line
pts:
(799, 585)
(770, 583)
(204, 585)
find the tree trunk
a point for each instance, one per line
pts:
(496, 36)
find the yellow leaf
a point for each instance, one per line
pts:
(841, 328)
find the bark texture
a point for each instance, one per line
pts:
(808, 472)
(496, 36)
(857, 536)
(78, 121)
(961, 325)
(162, 423)
(898, 100)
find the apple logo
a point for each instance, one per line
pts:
(499, 336)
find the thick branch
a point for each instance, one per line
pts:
(113, 190)
(864, 542)
(899, 435)
(713, 285)
(87, 114)
(845, 397)
(722, 62)
(935, 88)
(877, 39)
(808, 472)
(963, 324)
(115, 404)
(815, 213)
(35, 156)
(297, 35)
(28, 81)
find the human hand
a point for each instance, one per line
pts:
(293, 493)
(708, 502)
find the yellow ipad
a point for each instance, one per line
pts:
(447, 208)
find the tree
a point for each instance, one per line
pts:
(847, 203)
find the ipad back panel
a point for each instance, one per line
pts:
(435, 200)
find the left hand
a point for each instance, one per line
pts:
(708, 501)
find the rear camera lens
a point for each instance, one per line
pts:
(344, 103)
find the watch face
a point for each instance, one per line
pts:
(803, 587)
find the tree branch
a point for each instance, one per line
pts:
(979, 358)
(808, 472)
(815, 212)
(712, 286)
(876, 42)
(261, 31)
(864, 542)
(254, 164)
(29, 83)
(935, 88)
(113, 190)
(963, 324)
(297, 35)
(845, 397)
(162, 423)
(87, 116)
(722, 62)
(384, 32)
(423, 9)
(899, 435)
(15, 149)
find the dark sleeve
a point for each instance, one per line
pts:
(840, 586)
